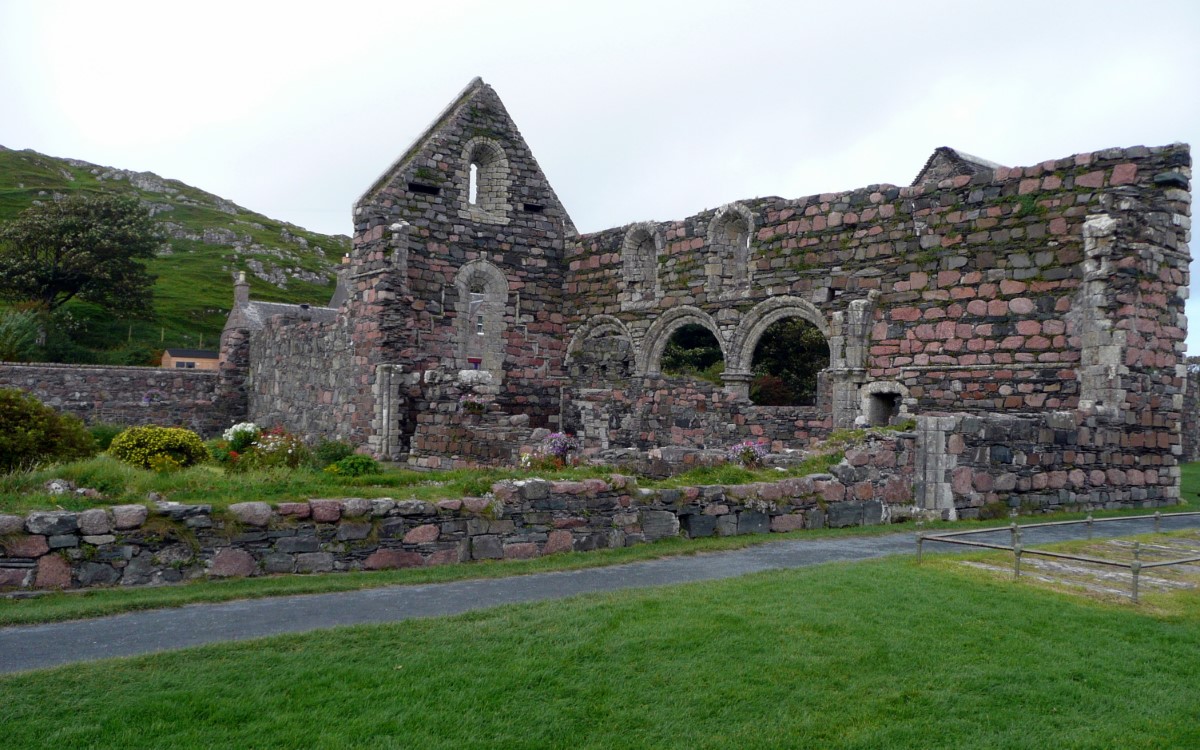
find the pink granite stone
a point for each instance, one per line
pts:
(53, 572)
(422, 534)
(559, 541)
(326, 511)
(386, 559)
(33, 545)
(233, 563)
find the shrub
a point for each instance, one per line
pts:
(241, 436)
(354, 466)
(277, 448)
(18, 335)
(331, 451)
(32, 433)
(138, 445)
(103, 434)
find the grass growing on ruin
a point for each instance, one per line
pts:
(210, 484)
(879, 654)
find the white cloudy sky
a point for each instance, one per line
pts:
(635, 110)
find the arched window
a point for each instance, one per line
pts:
(484, 182)
(729, 235)
(639, 266)
(481, 309)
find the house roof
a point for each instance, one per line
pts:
(194, 353)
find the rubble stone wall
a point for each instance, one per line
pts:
(129, 395)
(135, 545)
(968, 464)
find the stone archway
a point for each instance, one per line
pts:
(761, 317)
(601, 348)
(649, 358)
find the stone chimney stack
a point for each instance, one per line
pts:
(241, 291)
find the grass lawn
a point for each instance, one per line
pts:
(883, 654)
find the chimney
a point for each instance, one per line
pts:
(241, 291)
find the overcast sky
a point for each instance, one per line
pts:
(635, 110)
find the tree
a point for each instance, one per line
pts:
(787, 360)
(83, 248)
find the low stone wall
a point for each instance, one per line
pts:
(134, 545)
(970, 464)
(129, 395)
(679, 411)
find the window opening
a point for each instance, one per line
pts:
(881, 408)
(473, 189)
(416, 187)
(787, 363)
(693, 351)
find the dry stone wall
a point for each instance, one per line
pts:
(135, 545)
(129, 395)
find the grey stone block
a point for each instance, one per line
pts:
(294, 544)
(97, 574)
(52, 523)
(348, 532)
(657, 524)
(61, 541)
(727, 525)
(753, 522)
(696, 525)
(279, 563)
(314, 562)
(486, 547)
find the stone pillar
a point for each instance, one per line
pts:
(738, 383)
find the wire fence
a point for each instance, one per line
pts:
(1135, 566)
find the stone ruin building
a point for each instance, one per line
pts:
(1029, 320)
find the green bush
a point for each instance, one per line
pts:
(103, 434)
(354, 466)
(331, 451)
(137, 446)
(277, 448)
(32, 433)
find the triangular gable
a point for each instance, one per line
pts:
(946, 162)
(454, 123)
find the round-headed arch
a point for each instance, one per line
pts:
(649, 361)
(598, 326)
(761, 317)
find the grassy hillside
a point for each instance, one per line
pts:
(209, 239)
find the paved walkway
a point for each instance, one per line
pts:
(39, 646)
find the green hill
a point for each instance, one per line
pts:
(209, 240)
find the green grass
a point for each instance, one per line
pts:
(881, 654)
(209, 484)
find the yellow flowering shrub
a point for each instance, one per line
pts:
(151, 446)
